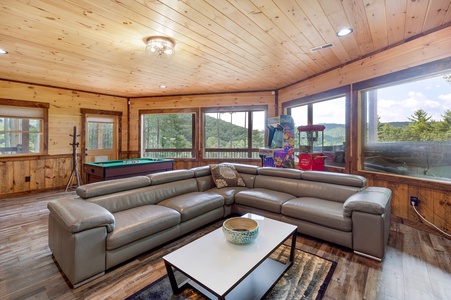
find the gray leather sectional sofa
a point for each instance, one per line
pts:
(114, 221)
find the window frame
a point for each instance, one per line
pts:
(343, 91)
(195, 129)
(424, 71)
(45, 117)
(224, 109)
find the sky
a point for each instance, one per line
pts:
(398, 103)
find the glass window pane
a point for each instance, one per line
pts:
(20, 136)
(258, 129)
(172, 133)
(100, 135)
(408, 128)
(228, 135)
(332, 114)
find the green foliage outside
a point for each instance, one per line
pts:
(174, 131)
(420, 128)
(105, 140)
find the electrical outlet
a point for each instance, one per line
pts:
(414, 201)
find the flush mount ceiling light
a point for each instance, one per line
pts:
(160, 45)
(3, 51)
(344, 32)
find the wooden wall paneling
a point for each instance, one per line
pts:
(20, 170)
(50, 173)
(64, 168)
(441, 201)
(37, 174)
(6, 177)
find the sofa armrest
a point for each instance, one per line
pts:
(76, 215)
(372, 200)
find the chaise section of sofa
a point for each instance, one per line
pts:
(114, 221)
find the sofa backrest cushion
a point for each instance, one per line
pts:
(280, 184)
(145, 196)
(335, 178)
(326, 191)
(246, 169)
(170, 176)
(280, 172)
(111, 186)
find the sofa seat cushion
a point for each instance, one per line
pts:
(139, 222)
(194, 204)
(228, 193)
(264, 199)
(323, 212)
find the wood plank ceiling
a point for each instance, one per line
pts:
(221, 46)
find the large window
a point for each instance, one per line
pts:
(235, 133)
(327, 109)
(22, 128)
(407, 127)
(168, 134)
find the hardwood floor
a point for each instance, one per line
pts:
(417, 264)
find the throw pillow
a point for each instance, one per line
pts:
(225, 175)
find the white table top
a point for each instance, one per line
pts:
(219, 264)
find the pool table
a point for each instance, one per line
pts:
(114, 169)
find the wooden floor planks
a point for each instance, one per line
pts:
(417, 264)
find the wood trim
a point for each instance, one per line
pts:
(343, 90)
(24, 103)
(410, 74)
(244, 108)
(100, 112)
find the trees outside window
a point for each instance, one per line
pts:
(168, 135)
(236, 133)
(407, 128)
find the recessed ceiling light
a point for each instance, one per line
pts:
(344, 32)
(163, 86)
(3, 51)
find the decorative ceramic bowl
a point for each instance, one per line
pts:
(240, 230)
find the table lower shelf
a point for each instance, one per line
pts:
(254, 286)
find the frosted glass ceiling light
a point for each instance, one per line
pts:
(160, 45)
(344, 32)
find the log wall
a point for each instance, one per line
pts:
(435, 197)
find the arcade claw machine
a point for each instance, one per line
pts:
(279, 152)
(311, 143)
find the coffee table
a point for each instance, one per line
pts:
(222, 270)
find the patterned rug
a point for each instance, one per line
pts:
(307, 278)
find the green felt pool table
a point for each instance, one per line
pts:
(114, 169)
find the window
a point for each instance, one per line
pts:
(100, 133)
(327, 109)
(22, 127)
(407, 127)
(234, 132)
(168, 134)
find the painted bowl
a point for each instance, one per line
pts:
(240, 230)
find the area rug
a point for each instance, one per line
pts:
(307, 278)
